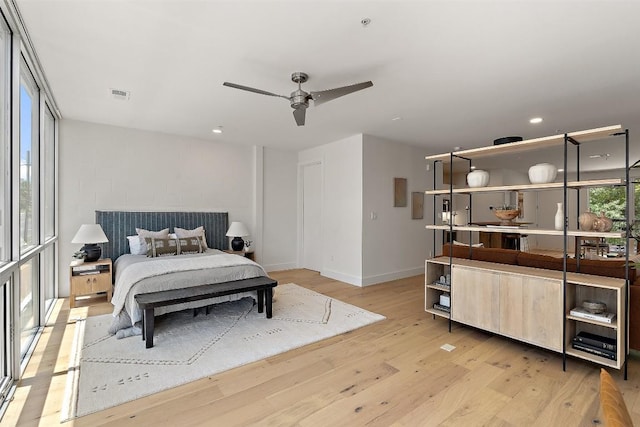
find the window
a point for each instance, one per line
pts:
(49, 174)
(49, 276)
(28, 160)
(5, 157)
(611, 201)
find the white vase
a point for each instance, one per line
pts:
(559, 218)
(542, 173)
(478, 178)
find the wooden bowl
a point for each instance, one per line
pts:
(506, 215)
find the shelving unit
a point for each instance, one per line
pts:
(561, 290)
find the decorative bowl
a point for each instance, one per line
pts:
(478, 178)
(542, 173)
(507, 140)
(506, 216)
(594, 307)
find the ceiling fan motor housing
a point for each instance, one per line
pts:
(299, 98)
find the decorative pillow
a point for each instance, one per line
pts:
(135, 246)
(161, 247)
(142, 234)
(190, 245)
(199, 231)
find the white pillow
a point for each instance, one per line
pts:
(135, 246)
(142, 233)
(199, 231)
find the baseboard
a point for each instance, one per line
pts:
(278, 267)
(352, 280)
(387, 277)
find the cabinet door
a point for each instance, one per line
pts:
(531, 310)
(101, 282)
(475, 297)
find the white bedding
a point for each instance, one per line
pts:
(140, 274)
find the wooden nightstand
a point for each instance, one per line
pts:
(90, 278)
(241, 253)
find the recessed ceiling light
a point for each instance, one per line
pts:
(536, 120)
(473, 167)
(396, 118)
(560, 170)
(217, 130)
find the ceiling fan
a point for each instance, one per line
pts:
(299, 99)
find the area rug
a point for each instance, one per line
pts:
(105, 371)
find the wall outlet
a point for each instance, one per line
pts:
(374, 215)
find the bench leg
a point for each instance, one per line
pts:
(148, 327)
(260, 300)
(269, 298)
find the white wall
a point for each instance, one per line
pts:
(341, 207)
(393, 245)
(280, 210)
(110, 168)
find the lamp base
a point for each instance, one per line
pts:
(93, 252)
(237, 244)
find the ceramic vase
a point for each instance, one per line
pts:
(559, 218)
(478, 178)
(542, 173)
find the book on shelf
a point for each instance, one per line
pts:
(594, 350)
(600, 317)
(86, 272)
(441, 307)
(597, 341)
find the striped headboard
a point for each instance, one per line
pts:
(117, 225)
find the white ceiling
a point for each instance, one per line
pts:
(457, 73)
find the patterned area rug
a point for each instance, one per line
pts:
(105, 371)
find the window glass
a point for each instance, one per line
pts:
(28, 160)
(28, 303)
(49, 278)
(49, 183)
(5, 158)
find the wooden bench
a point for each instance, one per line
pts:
(149, 301)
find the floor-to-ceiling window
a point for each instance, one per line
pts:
(49, 201)
(6, 350)
(29, 197)
(28, 191)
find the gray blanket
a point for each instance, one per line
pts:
(139, 274)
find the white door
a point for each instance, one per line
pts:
(311, 216)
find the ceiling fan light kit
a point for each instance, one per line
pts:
(299, 99)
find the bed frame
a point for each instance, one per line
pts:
(117, 225)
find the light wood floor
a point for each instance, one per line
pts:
(389, 373)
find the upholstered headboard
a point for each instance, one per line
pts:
(117, 225)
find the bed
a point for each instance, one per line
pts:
(135, 274)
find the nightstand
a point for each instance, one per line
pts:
(90, 278)
(241, 253)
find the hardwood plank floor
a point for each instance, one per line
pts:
(389, 373)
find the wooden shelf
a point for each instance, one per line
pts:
(592, 358)
(439, 287)
(437, 312)
(530, 187)
(532, 231)
(593, 322)
(530, 144)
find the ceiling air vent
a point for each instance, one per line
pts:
(122, 95)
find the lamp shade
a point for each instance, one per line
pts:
(237, 229)
(90, 233)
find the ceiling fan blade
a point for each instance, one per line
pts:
(299, 115)
(250, 89)
(323, 96)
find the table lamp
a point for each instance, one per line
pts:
(90, 235)
(237, 230)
